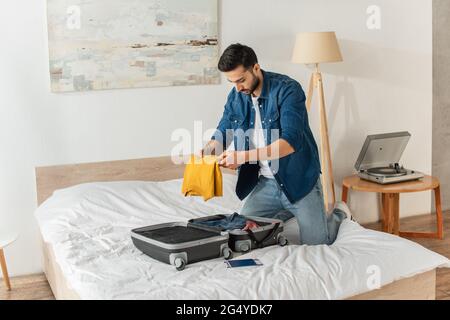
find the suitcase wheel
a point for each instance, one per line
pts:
(227, 253)
(244, 247)
(282, 241)
(180, 264)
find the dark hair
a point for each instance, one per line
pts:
(235, 55)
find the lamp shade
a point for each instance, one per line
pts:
(316, 47)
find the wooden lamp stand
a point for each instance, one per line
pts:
(325, 156)
(315, 48)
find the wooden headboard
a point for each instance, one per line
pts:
(49, 179)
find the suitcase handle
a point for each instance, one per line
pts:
(260, 244)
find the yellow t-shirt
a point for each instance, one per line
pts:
(202, 177)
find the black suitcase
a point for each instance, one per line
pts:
(180, 243)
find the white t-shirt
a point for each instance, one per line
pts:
(258, 141)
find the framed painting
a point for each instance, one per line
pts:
(107, 44)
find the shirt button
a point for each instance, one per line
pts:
(235, 120)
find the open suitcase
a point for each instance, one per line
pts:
(268, 233)
(180, 243)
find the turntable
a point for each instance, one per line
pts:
(379, 159)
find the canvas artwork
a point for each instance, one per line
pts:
(107, 44)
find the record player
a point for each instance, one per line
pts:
(379, 159)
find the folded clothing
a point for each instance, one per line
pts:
(223, 222)
(202, 177)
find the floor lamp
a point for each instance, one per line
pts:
(315, 48)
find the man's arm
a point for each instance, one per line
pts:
(293, 115)
(211, 147)
(276, 150)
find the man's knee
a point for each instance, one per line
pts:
(250, 210)
(284, 215)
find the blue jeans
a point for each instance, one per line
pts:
(268, 200)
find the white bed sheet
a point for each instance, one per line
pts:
(89, 225)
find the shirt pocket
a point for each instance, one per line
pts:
(272, 119)
(238, 132)
(236, 121)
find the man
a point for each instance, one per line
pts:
(267, 115)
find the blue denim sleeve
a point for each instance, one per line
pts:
(293, 114)
(224, 124)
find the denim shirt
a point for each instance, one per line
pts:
(283, 115)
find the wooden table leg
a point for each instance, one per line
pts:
(385, 214)
(439, 234)
(4, 270)
(344, 193)
(396, 213)
(439, 222)
(390, 212)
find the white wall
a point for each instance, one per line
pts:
(383, 85)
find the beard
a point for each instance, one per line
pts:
(254, 85)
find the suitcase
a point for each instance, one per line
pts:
(180, 243)
(268, 233)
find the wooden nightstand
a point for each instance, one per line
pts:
(390, 196)
(6, 238)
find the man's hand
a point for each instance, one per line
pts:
(231, 159)
(209, 149)
(249, 224)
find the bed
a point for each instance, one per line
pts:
(86, 212)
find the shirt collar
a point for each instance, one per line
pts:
(266, 87)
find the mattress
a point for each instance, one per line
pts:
(88, 227)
